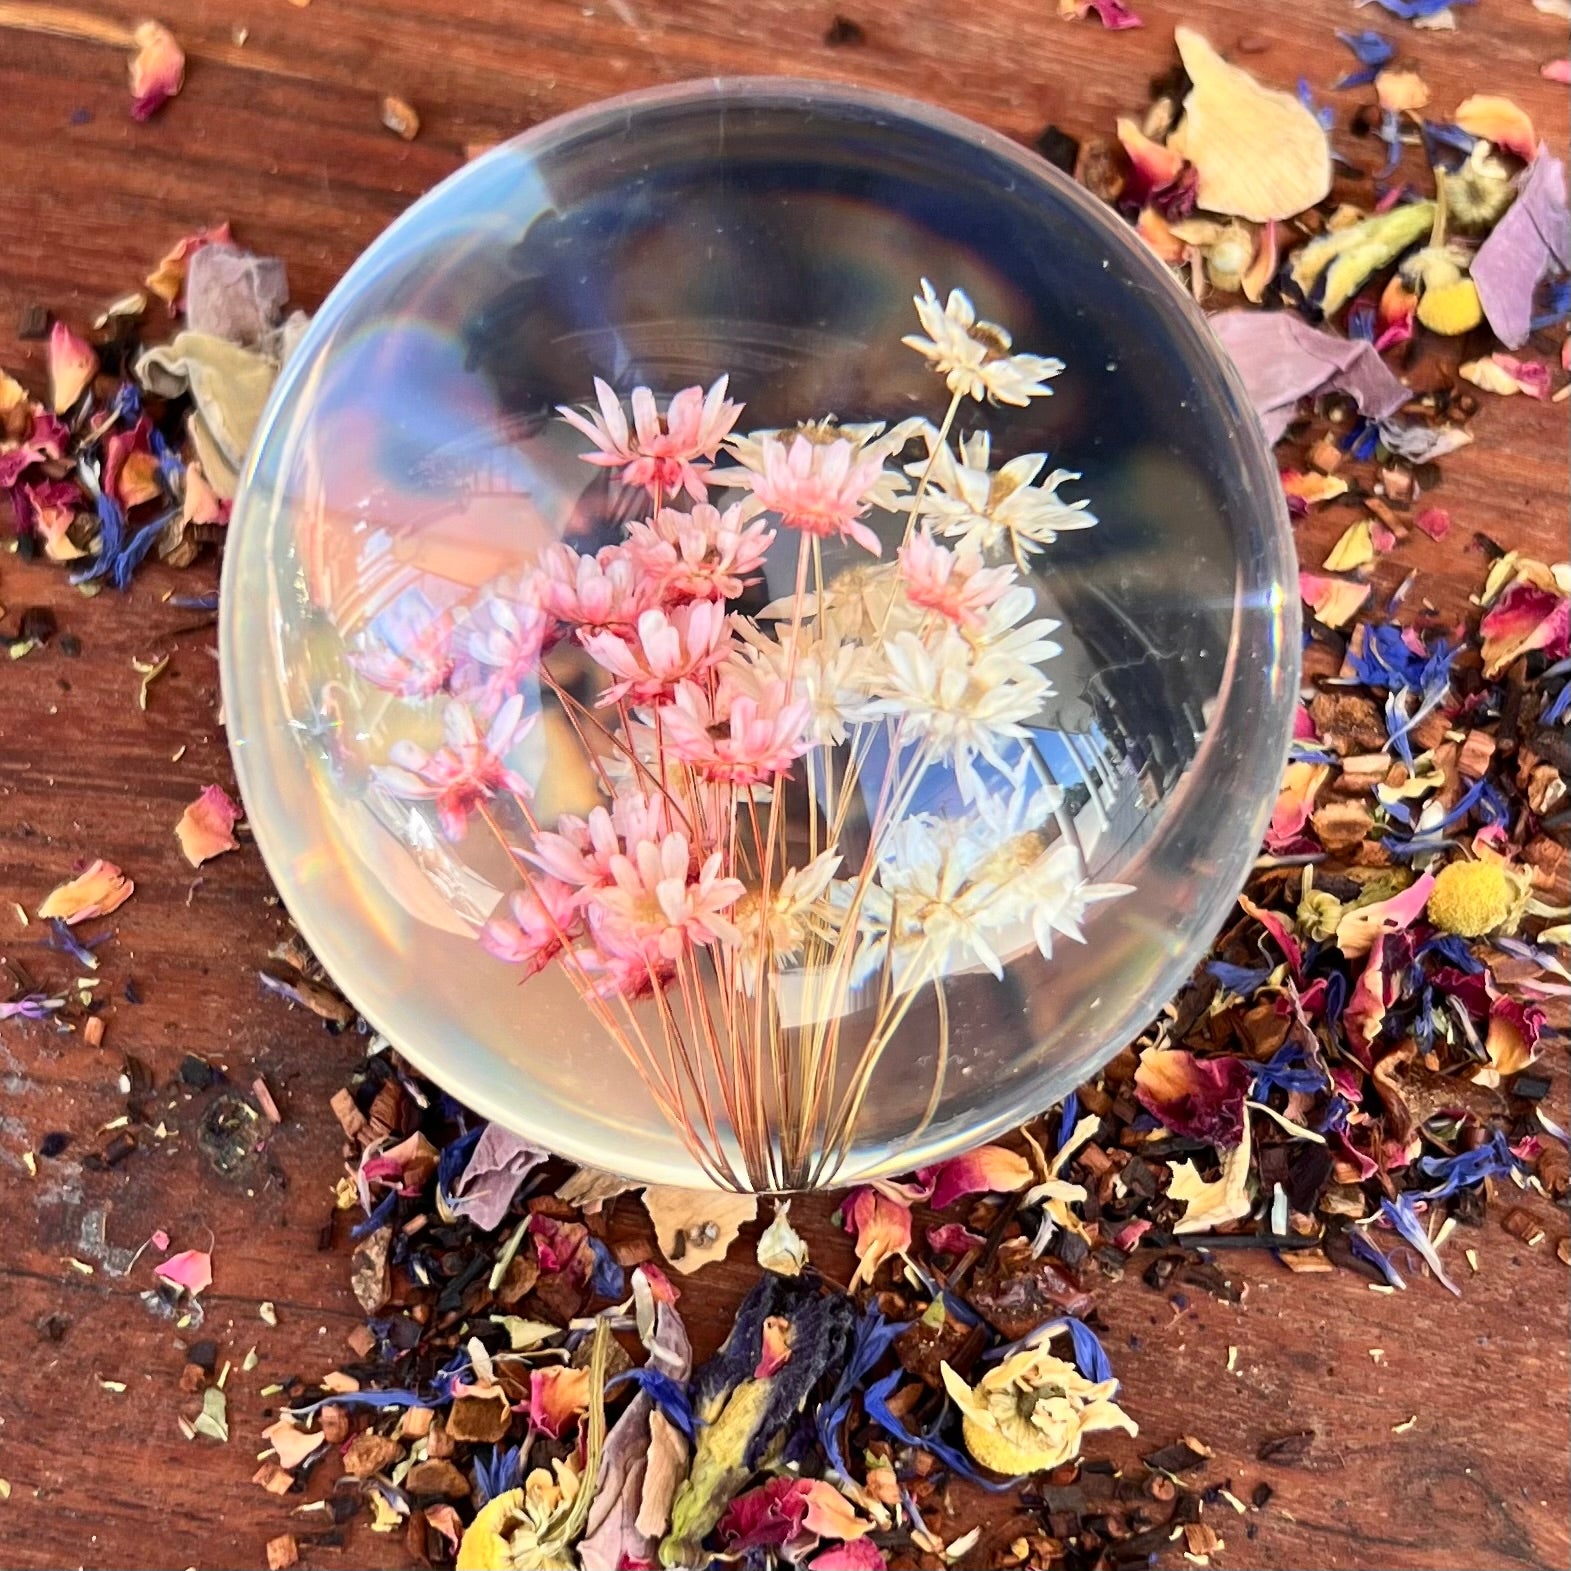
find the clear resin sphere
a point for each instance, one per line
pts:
(937, 830)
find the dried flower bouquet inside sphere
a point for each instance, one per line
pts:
(761, 897)
(764, 779)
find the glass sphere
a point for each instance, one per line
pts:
(413, 474)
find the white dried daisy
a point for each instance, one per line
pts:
(960, 702)
(974, 357)
(996, 510)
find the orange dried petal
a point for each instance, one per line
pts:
(1500, 121)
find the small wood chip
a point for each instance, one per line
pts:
(350, 1118)
(282, 1552)
(1478, 748)
(399, 116)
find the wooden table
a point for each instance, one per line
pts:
(277, 130)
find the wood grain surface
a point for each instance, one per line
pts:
(277, 130)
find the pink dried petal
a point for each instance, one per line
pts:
(1359, 928)
(206, 827)
(73, 363)
(1514, 1030)
(1366, 1009)
(1524, 618)
(1335, 601)
(953, 1238)
(861, 1554)
(1277, 926)
(1304, 725)
(882, 1227)
(1434, 522)
(1556, 71)
(1155, 167)
(768, 1517)
(558, 1398)
(988, 1169)
(1199, 1098)
(167, 280)
(830, 1514)
(201, 503)
(157, 69)
(191, 1269)
(1301, 783)
(562, 1247)
(96, 891)
(775, 1352)
(293, 1445)
(159, 1239)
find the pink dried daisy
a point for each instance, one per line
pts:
(535, 927)
(819, 488)
(951, 582)
(656, 905)
(601, 593)
(408, 651)
(666, 647)
(740, 739)
(578, 851)
(465, 771)
(701, 555)
(663, 457)
(501, 647)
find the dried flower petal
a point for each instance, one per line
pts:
(1208, 1204)
(1260, 153)
(1335, 601)
(97, 891)
(157, 69)
(1504, 374)
(1526, 617)
(206, 827)
(1500, 121)
(73, 363)
(191, 1269)
(1199, 1098)
(882, 1226)
(558, 1398)
(1358, 929)
(986, 1170)
(780, 1247)
(1401, 89)
(1282, 359)
(1534, 236)
(167, 280)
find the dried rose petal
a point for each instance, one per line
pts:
(201, 504)
(191, 1269)
(558, 1398)
(775, 1351)
(168, 278)
(1312, 487)
(860, 1555)
(97, 891)
(206, 827)
(1506, 375)
(157, 69)
(1155, 167)
(1335, 601)
(1199, 1098)
(1434, 522)
(1260, 153)
(986, 1170)
(73, 363)
(1514, 1030)
(953, 1238)
(1355, 548)
(1301, 783)
(1358, 929)
(882, 1227)
(1525, 617)
(1500, 121)
(1157, 233)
